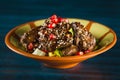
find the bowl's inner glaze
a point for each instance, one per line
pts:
(103, 34)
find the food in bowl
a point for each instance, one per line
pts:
(58, 37)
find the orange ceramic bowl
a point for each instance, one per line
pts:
(105, 35)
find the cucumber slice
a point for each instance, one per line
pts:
(39, 52)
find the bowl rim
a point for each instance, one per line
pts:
(76, 57)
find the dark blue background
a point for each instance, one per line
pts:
(16, 67)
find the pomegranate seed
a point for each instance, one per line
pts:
(53, 17)
(55, 20)
(51, 25)
(52, 36)
(80, 53)
(87, 51)
(30, 46)
(60, 19)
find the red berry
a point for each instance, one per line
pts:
(52, 36)
(30, 46)
(51, 25)
(53, 17)
(87, 51)
(60, 19)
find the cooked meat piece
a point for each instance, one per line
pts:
(70, 50)
(48, 39)
(56, 34)
(30, 37)
(83, 38)
(57, 37)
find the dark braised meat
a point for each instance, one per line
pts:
(30, 38)
(56, 33)
(71, 50)
(48, 39)
(57, 37)
(83, 38)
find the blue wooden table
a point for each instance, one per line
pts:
(16, 67)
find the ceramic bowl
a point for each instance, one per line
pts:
(105, 35)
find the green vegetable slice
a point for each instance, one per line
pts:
(58, 53)
(39, 52)
(71, 31)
